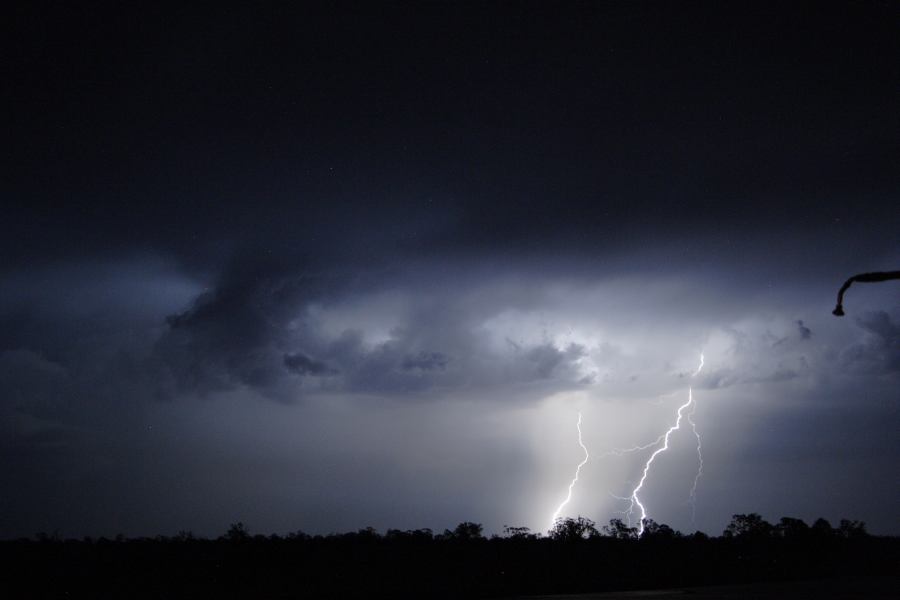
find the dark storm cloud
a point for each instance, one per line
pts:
(443, 351)
(302, 364)
(263, 328)
(426, 361)
(585, 130)
(32, 384)
(549, 359)
(879, 352)
(259, 325)
(761, 355)
(233, 333)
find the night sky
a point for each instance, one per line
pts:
(322, 267)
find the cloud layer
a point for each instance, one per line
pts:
(404, 367)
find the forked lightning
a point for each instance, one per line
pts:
(634, 499)
(575, 479)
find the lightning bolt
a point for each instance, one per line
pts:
(634, 499)
(575, 479)
(690, 418)
(623, 451)
(693, 495)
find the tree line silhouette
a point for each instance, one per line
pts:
(576, 556)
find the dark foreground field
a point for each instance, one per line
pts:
(853, 588)
(753, 559)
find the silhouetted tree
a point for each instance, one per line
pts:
(654, 530)
(518, 533)
(368, 533)
(821, 528)
(184, 536)
(852, 529)
(421, 535)
(573, 529)
(403, 565)
(792, 528)
(43, 536)
(619, 530)
(412, 535)
(237, 532)
(465, 531)
(748, 526)
(699, 536)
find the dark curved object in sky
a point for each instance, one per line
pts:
(864, 278)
